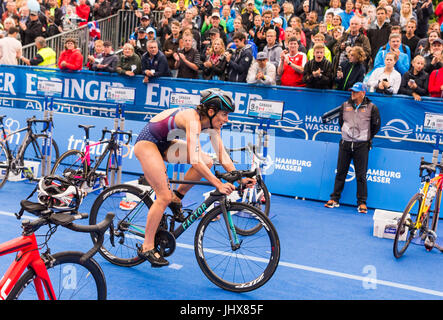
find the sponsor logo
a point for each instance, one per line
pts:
(396, 128)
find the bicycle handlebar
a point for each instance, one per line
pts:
(235, 175)
(115, 132)
(66, 220)
(250, 147)
(33, 119)
(429, 166)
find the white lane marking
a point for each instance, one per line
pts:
(306, 268)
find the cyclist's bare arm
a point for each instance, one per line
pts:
(193, 130)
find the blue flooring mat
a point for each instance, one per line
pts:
(326, 254)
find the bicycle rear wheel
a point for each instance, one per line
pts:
(70, 164)
(436, 212)
(244, 268)
(128, 226)
(5, 165)
(71, 279)
(406, 227)
(33, 150)
(259, 197)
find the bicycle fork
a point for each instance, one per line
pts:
(233, 237)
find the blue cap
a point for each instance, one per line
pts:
(358, 87)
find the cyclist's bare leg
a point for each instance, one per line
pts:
(177, 153)
(155, 173)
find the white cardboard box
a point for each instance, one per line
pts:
(385, 224)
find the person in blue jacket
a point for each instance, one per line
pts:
(154, 62)
(403, 63)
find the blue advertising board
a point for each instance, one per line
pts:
(300, 167)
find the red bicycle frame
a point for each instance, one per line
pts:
(28, 256)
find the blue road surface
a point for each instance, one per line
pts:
(326, 254)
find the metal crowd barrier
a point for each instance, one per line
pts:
(377, 136)
(116, 28)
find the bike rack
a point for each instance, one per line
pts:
(48, 113)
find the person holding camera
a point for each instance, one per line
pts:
(386, 79)
(239, 60)
(352, 71)
(359, 120)
(355, 37)
(415, 81)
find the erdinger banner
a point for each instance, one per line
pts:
(401, 116)
(297, 166)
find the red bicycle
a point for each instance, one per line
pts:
(69, 275)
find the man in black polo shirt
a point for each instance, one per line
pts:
(187, 60)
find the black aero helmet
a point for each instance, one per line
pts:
(217, 100)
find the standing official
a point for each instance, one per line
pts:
(359, 120)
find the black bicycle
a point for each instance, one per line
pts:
(78, 166)
(30, 149)
(227, 255)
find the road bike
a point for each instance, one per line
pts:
(65, 275)
(227, 255)
(420, 217)
(31, 149)
(258, 195)
(80, 167)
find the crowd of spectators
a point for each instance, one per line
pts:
(394, 46)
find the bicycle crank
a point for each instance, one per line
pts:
(165, 242)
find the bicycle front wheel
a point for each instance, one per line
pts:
(244, 267)
(407, 225)
(130, 206)
(70, 164)
(5, 165)
(71, 279)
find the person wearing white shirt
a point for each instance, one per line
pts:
(262, 71)
(386, 79)
(10, 48)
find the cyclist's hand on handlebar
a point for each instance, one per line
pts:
(226, 188)
(248, 182)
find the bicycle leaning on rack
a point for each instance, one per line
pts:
(78, 165)
(65, 275)
(417, 223)
(225, 253)
(30, 149)
(258, 195)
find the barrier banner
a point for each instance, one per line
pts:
(401, 116)
(297, 167)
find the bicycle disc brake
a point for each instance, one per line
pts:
(165, 242)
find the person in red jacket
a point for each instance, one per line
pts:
(82, 11)
(435, 87)
(71, 58)
(439, 12)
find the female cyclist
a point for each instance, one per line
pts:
(156, 144)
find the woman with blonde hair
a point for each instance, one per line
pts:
(352, 70)
(415, 81)
(406, 13)
(215, 66)
(386, 79)
(130, 62)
